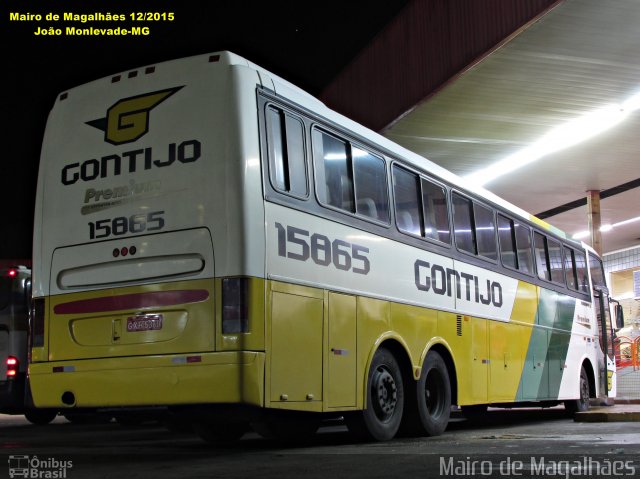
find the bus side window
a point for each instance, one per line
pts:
(335, 181)
(515, 244)
(485, 231)
(523, 245)
(541, 256)
(581, 272)
(406, 191)
(506, 236)
(463, 224)
(435, 212)
(287, 161)
(554, 250)
(570, 269)
(370, 176)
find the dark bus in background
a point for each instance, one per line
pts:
(15, 299)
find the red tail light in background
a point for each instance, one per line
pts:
(12, 366)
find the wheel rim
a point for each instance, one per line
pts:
(384, 393)
(434, 393)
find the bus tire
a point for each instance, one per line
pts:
(40, 417)
(381, 419)
(434, 395)
(581, 404)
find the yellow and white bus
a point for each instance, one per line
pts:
(211, 239)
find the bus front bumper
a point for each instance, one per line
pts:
(198, 378)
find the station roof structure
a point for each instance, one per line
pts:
(538, 101)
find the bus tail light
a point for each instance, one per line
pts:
(12, 366)
(37, 323)
(235, 307)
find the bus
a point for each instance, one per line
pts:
(15, 297)
(212, 240)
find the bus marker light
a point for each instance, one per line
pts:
(187, 360)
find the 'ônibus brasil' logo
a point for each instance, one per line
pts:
(128, 119)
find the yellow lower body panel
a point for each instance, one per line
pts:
(225, 377)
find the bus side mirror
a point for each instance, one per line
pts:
(619, 316)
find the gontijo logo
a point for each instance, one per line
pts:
(128, 119)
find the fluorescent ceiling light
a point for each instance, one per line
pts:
(606, 228)
(560, 138)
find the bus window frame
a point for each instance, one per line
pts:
(323, 129)
(313, 205)
(512, 233)
(420, 177)
(474, 201)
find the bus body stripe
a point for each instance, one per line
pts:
(132, 301)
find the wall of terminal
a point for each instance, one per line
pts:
(619, 267)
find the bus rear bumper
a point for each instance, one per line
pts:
(223, 377)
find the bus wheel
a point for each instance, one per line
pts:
(385, 400)
(40, 417)
(582, 404)
(434, 395)
(219, 433)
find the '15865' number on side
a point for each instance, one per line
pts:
(301, 245)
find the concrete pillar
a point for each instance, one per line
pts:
(593, 214)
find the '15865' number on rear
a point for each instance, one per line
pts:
(122, 225)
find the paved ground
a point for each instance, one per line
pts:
(520, 443)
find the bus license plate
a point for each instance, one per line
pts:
(144, 322)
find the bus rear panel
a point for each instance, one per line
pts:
(146, 240)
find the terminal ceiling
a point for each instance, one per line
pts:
(573, 62)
